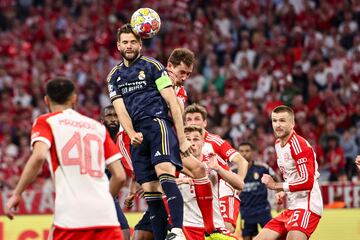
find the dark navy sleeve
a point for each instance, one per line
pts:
(114, 92)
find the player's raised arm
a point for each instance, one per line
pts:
(233, 179)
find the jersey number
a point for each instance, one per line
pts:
(85, 153)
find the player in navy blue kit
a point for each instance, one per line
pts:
(142, 95)
(254, 207)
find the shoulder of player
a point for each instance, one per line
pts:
(298, 144)
(46, 116)
(152, 61)
(114, 71)
(210, 137)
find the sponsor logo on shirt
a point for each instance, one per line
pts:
(229, 152)
(35, 134)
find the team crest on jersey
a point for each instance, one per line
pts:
(256, 175)
(286, 157)
(141, 75)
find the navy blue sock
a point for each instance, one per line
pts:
(174, 199)
(158, 215)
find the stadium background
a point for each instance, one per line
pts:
(252, 55)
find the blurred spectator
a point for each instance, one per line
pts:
(350, 149)
(334, 157)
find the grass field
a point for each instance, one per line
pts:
(339, 224)
(336, 224)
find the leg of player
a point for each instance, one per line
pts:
(142, 235)
(267, 234)
(166, 174)
(203, 190)
(295, 234)
(122, 220)
(143, 229)
(158, 214)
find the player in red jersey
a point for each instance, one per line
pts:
(297, 162)
(77, 149)
(228, 197)
(218, 170)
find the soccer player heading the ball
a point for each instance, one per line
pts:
(142, 95)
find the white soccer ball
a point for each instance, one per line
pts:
(145, 22)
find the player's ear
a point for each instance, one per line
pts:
(205, 123)
(169, 65)
(118, 45)
(73, 99)
(47, 101)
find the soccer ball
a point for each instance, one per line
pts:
(145, 22)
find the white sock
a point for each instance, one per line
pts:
(177, 231)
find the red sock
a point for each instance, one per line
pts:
(204, 199)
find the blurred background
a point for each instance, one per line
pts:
(252, 55)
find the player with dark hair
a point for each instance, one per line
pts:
(297, 162)
(111, 122)
(196, 114)
(77, 149)
(194, 168)
(142, 95)
(254, 206)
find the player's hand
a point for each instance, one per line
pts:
(268, 181)
(185, 148)
(129, 201)
(137, 139)
(212, 162)
(357, 161)
(12, 206)
(280, 197)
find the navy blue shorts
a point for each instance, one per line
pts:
(144, 224)
(249, 227)
(160, 144)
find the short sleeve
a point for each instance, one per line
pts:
(41, 131)
(111, 150)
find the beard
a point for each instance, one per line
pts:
(131, 58)
(282, 134)
(113, 130)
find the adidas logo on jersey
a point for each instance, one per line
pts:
(157, 154)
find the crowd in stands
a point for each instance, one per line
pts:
(252, 56)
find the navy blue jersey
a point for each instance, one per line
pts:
(253, 197)
(139, 85)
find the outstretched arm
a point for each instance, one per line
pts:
(31, 170)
